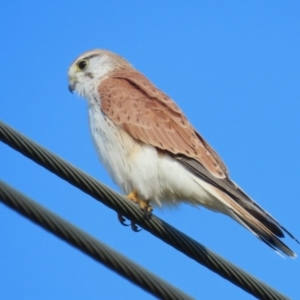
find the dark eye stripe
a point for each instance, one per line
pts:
(91, 56)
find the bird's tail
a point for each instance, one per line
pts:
(263, 234)
(254, 218)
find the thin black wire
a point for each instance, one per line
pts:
(89, 245)
(156, 226)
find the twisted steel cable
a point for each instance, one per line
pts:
(89, 245)
(154, 225)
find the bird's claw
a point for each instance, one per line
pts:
(134, 227)
(144, 205)
(122, 220)
(147, 209)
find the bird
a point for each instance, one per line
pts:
(152, 151)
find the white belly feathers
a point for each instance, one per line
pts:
(133, 165)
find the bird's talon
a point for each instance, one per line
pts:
(134, 227)
(146, 208)
(149, 210)
(122, 220)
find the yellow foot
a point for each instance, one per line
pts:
(143, 204)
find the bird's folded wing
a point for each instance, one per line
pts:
(131, 101)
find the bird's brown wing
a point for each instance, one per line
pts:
(131, 101)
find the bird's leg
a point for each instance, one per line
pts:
(143, 204)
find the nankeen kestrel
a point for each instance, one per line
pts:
(152, 151)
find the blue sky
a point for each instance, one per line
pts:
(234, 69)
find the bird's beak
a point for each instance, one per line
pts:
(72, 85)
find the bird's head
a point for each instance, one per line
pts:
(91, 67)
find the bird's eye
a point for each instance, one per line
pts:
(81, 65)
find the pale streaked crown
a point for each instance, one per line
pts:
(91, 67)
